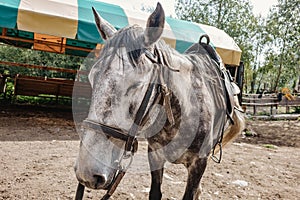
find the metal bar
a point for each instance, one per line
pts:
(4, 31)
(48, 43)
(72, 71)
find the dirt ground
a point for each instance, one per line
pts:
(38, 147)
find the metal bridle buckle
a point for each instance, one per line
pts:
(126, 155)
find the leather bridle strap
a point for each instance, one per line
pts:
(139, 116)
(108, 130)
(131, 138)
(79, 192)
(114, 185)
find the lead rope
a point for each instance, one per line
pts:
(79, 192)
(111, 190)
(122, 171)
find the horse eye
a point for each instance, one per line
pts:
(132, 87)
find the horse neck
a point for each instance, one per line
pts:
(177, 75)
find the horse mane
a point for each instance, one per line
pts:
(132, 39)
(129, 38)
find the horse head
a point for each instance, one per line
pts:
(120, 79)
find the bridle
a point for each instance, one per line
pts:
(130, 137)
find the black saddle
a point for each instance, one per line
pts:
(204, 48)
(211, 51)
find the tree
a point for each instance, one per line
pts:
(234, 17)
(283, 24)
(27, 56)
(270, 46)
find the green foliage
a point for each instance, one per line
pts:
(41, 58)
(270, 146)
(9, 90)
(270, 46)
(249, 133)
(43, 100)
(297, 109)
(283, 25)
(234, 17)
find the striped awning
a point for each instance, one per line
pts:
(70, 25)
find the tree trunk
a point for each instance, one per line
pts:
(253, 82)
(256, 65)
(281, 61)
(219, 13)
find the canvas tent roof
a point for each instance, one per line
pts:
(68, 27)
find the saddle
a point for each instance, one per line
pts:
(211, 51)
(230, 87)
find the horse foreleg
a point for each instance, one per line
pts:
(195, 171)
(156, 181)
(156, 162)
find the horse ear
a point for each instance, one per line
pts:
(155, 25)
(105, 29)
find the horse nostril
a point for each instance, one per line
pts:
(100, 180)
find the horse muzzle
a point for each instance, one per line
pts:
(94, 181)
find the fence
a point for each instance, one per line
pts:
(255, 101)
(43, 86)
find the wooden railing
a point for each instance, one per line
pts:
(290, 103)
(255, 101)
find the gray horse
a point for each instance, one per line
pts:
(184, 104)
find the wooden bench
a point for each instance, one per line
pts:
(254, 100)
(37, 86)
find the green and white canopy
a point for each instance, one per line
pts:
(70, 26)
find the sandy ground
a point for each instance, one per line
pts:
(38, 148)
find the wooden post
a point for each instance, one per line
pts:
(287, 109)
(271, 111)
(4, 31)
